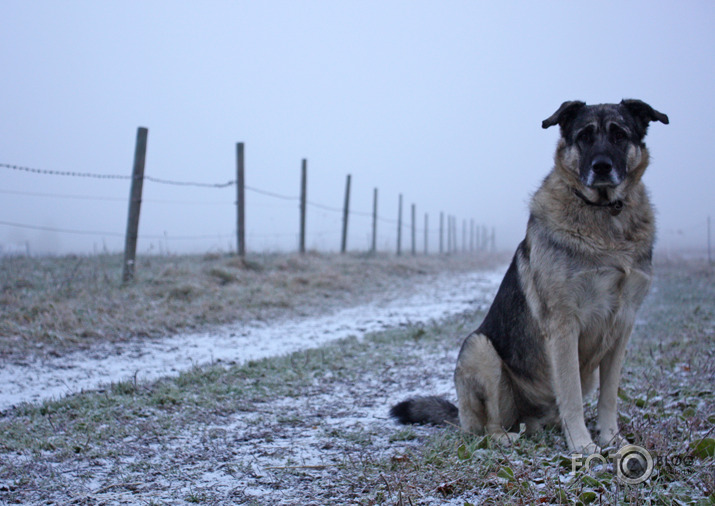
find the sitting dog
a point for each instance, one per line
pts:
(565, 309)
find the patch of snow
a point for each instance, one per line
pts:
(436, 298)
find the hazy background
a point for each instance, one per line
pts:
(439, 101)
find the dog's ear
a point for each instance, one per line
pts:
(564, 115)
(643, 114)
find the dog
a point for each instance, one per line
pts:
(565, 309)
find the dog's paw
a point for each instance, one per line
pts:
(504, 438)
(616, 442)
(586, 448)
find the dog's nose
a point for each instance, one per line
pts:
(602, 165)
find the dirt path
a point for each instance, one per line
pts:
(431, 298)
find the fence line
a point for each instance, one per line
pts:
(61, 230)
(412, 226)
(115, 176)
(55, 195)
(170, 182)
(64, 173)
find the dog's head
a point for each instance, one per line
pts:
(602, 145)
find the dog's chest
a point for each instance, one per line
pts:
(606, 303)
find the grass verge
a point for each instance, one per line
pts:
(53, 305)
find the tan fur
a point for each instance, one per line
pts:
(485, 396)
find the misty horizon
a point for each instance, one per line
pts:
(440, 103)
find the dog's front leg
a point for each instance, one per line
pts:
(609, 379)
(566, 381)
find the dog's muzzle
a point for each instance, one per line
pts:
(602, 173)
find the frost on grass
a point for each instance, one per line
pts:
(312, 427)
(430, 297)
(50, 306)
(666, 406)
(301, 429)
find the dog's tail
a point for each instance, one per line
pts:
(426, 410)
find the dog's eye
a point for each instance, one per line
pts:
(617, 134)
(585, 136)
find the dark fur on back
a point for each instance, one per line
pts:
(425, 410)
(510, 326)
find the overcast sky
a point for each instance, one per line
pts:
(441, 101)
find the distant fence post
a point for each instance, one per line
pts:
(346, 212)
(135, 199)
(303, 202)
(426, 232)
(464, 236)
(456, 235)
(449, 233)
(240, 201)
(399, 227)
(441, 232)
(414, 230)
(374, 221)
(471, 235)
(710, 258)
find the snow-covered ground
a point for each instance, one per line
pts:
(431, 299)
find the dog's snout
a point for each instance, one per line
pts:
(602, 165)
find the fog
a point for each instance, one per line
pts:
(441, 102)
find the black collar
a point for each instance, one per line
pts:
(615, 207)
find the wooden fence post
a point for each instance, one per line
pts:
(449, 233)
(471, 235)
(464, 236)
(303, 202)
(426, 232)
(346, 212)
(135, 199)
(399, 228)
(240, 201)
(456, 235)
(414, 230)
(710, 258)
(374, 221)
(441, 232)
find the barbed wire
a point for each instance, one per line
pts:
(110, 234)
(419, 231)
(339, 210)
(66, 196)
(115, 176)
(63, 173)
(324, 207)
(270, 194)
(392, 221)
(61, 230)
(190, 183)
(160, 236)
(111, 199)
(175, 183)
